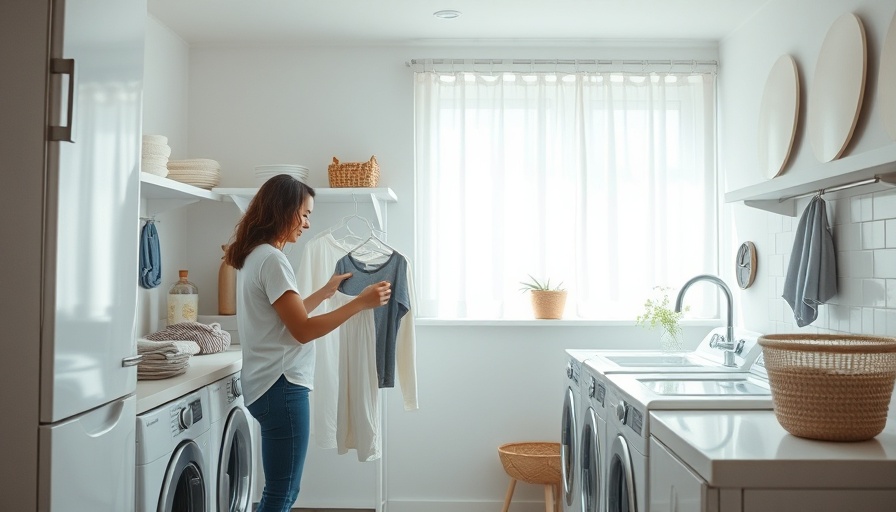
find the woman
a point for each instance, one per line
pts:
(276, 331)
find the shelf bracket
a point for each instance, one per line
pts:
(378, 210)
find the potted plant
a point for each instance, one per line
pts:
(548, 302)
(657, 312)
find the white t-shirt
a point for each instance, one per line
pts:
(269, 350)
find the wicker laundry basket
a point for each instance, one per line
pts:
(354, 174)
(532, 462)
(829, 386)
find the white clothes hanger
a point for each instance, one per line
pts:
(350, 236)
(373, 244)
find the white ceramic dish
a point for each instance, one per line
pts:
(837, 88)
(778, 116)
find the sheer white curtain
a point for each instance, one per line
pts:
(604, 181)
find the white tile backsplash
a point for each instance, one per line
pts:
(885, 205)
(874, 293)
(885, 263)
(864, 228)
(891, 233)
(874, 235)
(848, 236)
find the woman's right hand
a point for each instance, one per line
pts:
(375, 295)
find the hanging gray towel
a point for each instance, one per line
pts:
(150, 257)
(812, 274)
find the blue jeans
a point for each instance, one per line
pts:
(284, 415)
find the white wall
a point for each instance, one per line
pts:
(165, 112)
(480, 386)
(863, 222)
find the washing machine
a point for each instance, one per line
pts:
(632, 397)
(231, 458)
(173, 441)
(571, 430)
(592, 442)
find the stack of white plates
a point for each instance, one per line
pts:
(154, 157)
(199, 172)
(264, 172)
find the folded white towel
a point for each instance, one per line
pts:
(210, 338)
(145, 346)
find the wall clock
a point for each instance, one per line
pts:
(745, 266)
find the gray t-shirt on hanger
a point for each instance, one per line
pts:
(386, 318)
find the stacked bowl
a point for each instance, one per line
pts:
(199, 172)
(264, 172)
(154, 155)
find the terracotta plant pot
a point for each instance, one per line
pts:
(548, 304)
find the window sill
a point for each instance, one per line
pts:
(437, 322)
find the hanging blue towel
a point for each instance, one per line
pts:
(150, 257)
(812, 274)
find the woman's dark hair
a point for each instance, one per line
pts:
(270, 215)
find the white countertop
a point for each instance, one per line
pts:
(750, 449)
(203, 370)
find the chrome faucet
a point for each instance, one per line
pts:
(728, 344)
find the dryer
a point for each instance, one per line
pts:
(172, 456)
(592, 442)
(632, 397)
(231, 459)
(571, 430)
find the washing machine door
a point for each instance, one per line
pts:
(235, 464)
(184, 487)
(590, 457)
(568, 447)
(620, 479)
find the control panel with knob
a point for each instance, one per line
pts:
(185, 415)
(185, 418)
(621, 411)
(235, 389)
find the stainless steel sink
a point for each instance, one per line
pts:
(653, 360)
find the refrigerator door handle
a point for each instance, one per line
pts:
(132, 360)
(64, 67)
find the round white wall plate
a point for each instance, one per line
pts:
(837, 89)
(778, 116)
(886, 85)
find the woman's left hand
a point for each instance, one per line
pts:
(332, 285)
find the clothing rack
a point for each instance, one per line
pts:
(150, 219)
(889, 179)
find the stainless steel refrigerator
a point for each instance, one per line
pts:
(70, 118)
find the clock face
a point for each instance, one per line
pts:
(745, 266)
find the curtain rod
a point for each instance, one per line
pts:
(702, 66)
(889, 179)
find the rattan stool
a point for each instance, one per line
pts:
(534, 463)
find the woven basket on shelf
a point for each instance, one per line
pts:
(532, 462)
(830, 386)
(353, 174)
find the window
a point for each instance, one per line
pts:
(602, 180)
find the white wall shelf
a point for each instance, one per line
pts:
(378, 197)
(779, 195)
(163, 194)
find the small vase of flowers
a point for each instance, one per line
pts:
(658, 313)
